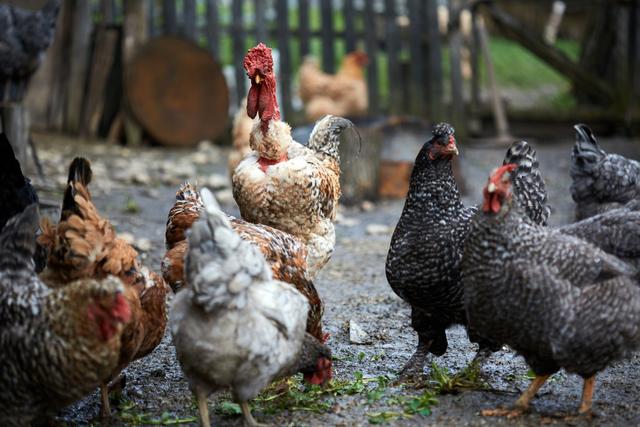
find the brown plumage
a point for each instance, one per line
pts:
(285, 254)
(84, 245)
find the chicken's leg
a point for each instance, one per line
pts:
(522, 404)
(413, 369)
(105, 409)
(587, 395)
(249, 421)
(203, 407)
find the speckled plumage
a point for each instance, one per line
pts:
(298, 195)
(600, 181)
(51, 348)
(285, 254)
(557, 300)
(234, 326)
(424, 257)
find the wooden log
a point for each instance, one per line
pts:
(328, 52)
(261, 21)
(239, 50)
(303, 27)
(105, 45)
(169, 17)
(349, 26)
(212, 29)
(285, 56)
(189, 28)
(371, 43)
(393, 48)
(582, 79)
(79, 60)
(433, 88)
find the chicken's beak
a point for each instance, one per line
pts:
(491, 187)
(258, 79)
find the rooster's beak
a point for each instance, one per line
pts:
(491, 187)
(258, 80)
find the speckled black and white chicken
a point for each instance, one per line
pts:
(557, 300)
(234, 326)
(25, 35)
(600, 181)
(423, 263)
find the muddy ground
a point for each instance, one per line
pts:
(135, 189)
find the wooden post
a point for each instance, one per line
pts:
(360, 164)
(328, 52)
(59, 78)
(285, 57)
(261, 21)
(393, 48)
(135, 34)
(349, 26)
(303, 27)
(434, 63)
(169, 16)
(212, 29)
(418, 70)
(457, 95)
(79, 60)
(371, 43)
(475, 64)
(189, 27)
(239, 50)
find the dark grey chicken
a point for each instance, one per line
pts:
(25, 35)
(557, 300)
(600, 181)
(423, 261)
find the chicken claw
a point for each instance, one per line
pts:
(502, 412)
(249, 421)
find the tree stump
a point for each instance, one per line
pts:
(360, 163)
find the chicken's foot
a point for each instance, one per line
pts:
(522, 404)
(413, 370)
(203, 407)
(105, 409)
(249, 421)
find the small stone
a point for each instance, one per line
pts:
(127, 237)
(376, 229)
(346, 221)
(200, 158)
(367, 206)
(225, 197)
(141, 178)
(143, 244)
(357, 335)
(216, 181)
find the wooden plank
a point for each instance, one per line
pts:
(418, 69)
(169, 17)
(392, 39)
(284, 39)
(328, 54)
(261, 21)
(152, 11)
(239, 49)
(434, 63)
(474, 49)
(134, 35)
(635, 51)
(349, 26)
(371, 43)
(303, 27)
(79, 60)
(59, 78)
(213, 28)
(107, 10)
(189, 27)
(455, 47)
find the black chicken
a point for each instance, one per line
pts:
(601, 181)
(557, 300)
(16, 192)
(423, 263)
(24, 37)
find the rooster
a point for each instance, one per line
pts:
(342, 94)
(284, 184)
(557, 300)
(423, 263)
(234, 326)
(600, 181)
(56, 345)
(84, 245)
(285, 254)
(16, 193)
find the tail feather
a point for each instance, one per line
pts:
(586, 150)
(18, 240)
(325, 136)
(79, 173)
(220, 266)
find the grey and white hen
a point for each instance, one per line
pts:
(600, 181)
(234, 326)
(557, 300)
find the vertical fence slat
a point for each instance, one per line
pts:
(393, 48)
(475, 64)
(239, 50)
(151, 18)
(434, 63)
(328, 56)
(455, 47)
(349, 26)
(169, 16)
(371, 43)
(213, 23)
(261, 21)
(107, 9)
(418, 70)
(285, 56)
(189, 27)
(303, 27)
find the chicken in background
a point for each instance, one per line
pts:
(341, 94)
(234, 326)
(282, 183)
(16, 193)
(557, 300)
(240, 133)
(56, 345)
(600, 181)
(285, 254)
(83, 245)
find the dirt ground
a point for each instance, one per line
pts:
(135, 189)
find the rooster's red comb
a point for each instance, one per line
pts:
(258, 57)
